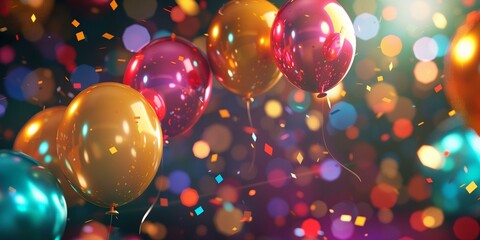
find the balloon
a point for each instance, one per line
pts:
(238, 47)
(314, 43)
(174, 77)
(109, 144)
(32, 205)
(462, 83)
(37, 138)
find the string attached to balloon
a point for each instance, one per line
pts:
(248, 102)
(328, 150)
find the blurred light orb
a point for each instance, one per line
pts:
(425, 72)
(330, 170)
(218, 137)
(140, 9)
(443, 43)
(439, 20)
(430, 157)
(391, 45)
(299, 100)
(179, 181)
(273, 108)
(425, 49)
(366, 26)
(135, 37)
(342, 115)
(314, 120)
(83, 77)
(277, 207)
(382, 98)
(201, 149)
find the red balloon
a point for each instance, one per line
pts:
(175, 78)
(314, 43)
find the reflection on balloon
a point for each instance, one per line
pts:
(37, 138)
(32, 205)
(314, 43)
(238, 47)
(174, 77)
(461, 71)
(109, 144)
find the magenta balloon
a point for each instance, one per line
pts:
(179, 73)
(314, 43)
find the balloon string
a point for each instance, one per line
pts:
(248, 102)
(110, 227)
(153, 203)
(330, 153)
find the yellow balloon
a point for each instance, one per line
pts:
(238, 47)
(37, 138)
(462, 74)
(109, 144)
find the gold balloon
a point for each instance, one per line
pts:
(109, 144)
(37, 138)
(238, 47)
(462, 74)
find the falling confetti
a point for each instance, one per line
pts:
(471, 187)
(80, 36)
(112, 150)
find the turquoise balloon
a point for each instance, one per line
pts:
(32, 205)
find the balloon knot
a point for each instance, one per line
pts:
(112, 210)
(321, 95)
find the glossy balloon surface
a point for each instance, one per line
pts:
(109, 144)
(32, 205)
(314, 43)
(174, 72)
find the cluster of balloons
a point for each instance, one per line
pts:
(106, 146)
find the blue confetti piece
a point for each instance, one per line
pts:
(219, 178)
(199, 210)
(254, 137)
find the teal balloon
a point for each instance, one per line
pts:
(32, 205)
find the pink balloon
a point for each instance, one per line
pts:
(314, 43)
(175, 78)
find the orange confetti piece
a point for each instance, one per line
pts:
(252, 192)
(75, 23)
(113, 5)
(438, 88)
(451, 113)
(163, 202)
(98, 70)
(107, 36)
(471, 187)
(268, 149)
(80, 36)
(33, 17)
(224, 113)
(360, 221)
(247, 217)
(180, 58)
(420, 123)
(121, 60)
(214, 158)
(113, 150)
(377, 69)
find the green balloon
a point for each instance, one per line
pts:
(32, 205)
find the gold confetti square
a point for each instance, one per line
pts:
(224, 113)
(75, 23)
(80, 36)
(360, 221)
(345, 218)
(380, 78)
(113, 5)
(451, 113)
(299, 158)
(471, 187)
(113, 150)
(107, 36)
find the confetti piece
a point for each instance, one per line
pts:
(429, 180)
(387, 100)
(214, 157)
(112, 150)
(471, 187)
(343, 93)
(268, 149)
(224, 113)
(360, 221)
(33, 17)
(75, 23)
(451, 113)
(465, 169)
(254, 137)
(390, 66)
(420, 123)
(299, 158)
(438, 88)
(140, 129)
(181, 58)
(368, 88)
(377, 69)
(199, 210)
(345, 218)
(113, 5)
(12, 189)
(293, 175)
(164, 202)
(80, 36)
(252, 192)
(77, 85)
(3, 29)
(247, 216)
(380, 78)
(219, 178)
(98, 70)
(121, 60)
(107, 36)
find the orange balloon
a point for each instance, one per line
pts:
(37, 138)
(462, 76)
(238, 47)
(109, 144)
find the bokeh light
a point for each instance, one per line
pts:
(135, 37)
(366, 26)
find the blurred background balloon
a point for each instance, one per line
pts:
(174, 76)
(37, 139)
(238, 47)
(32, 205)
(314, 43)
(461, 70)
(109, 144)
